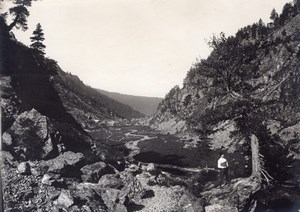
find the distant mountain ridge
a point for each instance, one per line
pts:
(70, 85)
(143, 104)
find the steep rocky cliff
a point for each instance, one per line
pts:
(266, 73)
(48, 158)
(248, 86)
(271, 74)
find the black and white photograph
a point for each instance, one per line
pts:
(150, 105)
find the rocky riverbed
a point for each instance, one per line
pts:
(127, 168)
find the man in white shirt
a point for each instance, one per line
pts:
(223, 167)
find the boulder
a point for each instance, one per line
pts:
(85, 192)
(86, 208)
(65, 199)
(48, 148)
(57, 165)
(24, 168)
(6, 139)
(92, 173)
(7, 158)
(96, 196)
(51, 179)
(220, 208)
(118, 208)
(193, 208)
(47, 180)
(39, 168)
(72, 159)
(74, 208)
(90, 194)
(29, 136)
(42, 168)
(150, 167)
(111, 181)
(53, 194)
(67, 163)
(133, 187)
(114, 200)
(134, 169)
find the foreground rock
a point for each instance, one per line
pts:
(220, 208)
(51, 179)
(114, 199)
(29, 138)
(98, 197)
(24, 168)
(111, 181)
(89, 194)
(168, 197)
(65, 199)
(66, 164)
(92, 173)
(232, 197)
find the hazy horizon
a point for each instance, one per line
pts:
(134, 47)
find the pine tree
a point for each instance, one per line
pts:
(37, 39)
(287, 13)
(274, 15)
(276, 159)
(262, 30)
(297, 6)
(19, 14)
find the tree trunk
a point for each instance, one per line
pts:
(1, 188)
(256, 165)
(11, 26)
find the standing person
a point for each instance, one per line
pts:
(223, 167)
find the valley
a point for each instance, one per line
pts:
(179, 163)
(147, 145)
(67, 146)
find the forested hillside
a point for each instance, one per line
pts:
(143, 104)
(67, 147)
(46, 117)
(91, 96)
(246, 90)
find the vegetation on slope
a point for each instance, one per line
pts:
(143, 104)
(252, 79)
(90, 95)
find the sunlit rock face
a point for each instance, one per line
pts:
(261, 82)
(271, 77)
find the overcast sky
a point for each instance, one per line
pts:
(140, 47)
